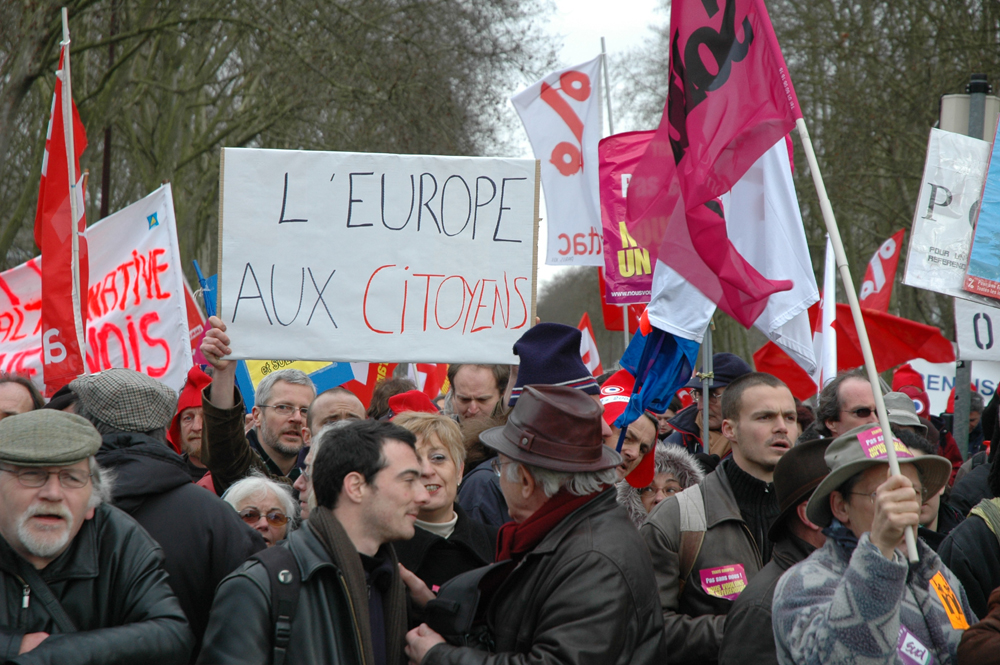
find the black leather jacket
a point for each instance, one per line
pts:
(585, 595)
(240, 629)
(111, 583)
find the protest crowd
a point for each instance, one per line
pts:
(137, 525)
(512, 503)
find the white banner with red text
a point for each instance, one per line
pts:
(137, 316)
(365, 257)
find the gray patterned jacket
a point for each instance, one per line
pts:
(839, 607)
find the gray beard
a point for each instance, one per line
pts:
(43, 549)
(275, 443)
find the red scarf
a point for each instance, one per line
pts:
(515, 539)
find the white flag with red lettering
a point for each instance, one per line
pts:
(588, 346)
(562, 116)
(876, 288)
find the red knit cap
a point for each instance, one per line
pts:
(907, 376)
(921, 402)
(615, 394)
(951, 398)
(190, 397)
(411, 400)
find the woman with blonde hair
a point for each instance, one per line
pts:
(447, 541)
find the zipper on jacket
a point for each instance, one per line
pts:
(25, 593)
(354, 615)
(756, 547)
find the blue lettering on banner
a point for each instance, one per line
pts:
(932, 382)
(947, 383)
(987, 388)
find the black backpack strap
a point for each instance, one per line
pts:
(283, 572)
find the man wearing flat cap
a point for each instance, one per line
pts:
(858, 599)
(748, 637)
(202, 537)
(578, 585)
(82, 582)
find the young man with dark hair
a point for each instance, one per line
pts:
(351, 606)
(710, 540)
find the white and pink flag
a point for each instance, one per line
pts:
(562, 116)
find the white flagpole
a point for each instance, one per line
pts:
(852, 299)
(829, 358)
(67, 103)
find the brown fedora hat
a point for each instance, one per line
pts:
(556, 428)
(797, 474)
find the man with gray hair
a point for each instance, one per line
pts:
(280, 419)
(583, 590)
(82, 581)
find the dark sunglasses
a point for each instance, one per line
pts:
(274, 518)
(861, 411)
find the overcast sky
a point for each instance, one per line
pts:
(579, 26)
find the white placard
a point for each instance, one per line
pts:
(136, 312)
(977, 331)
(946, 210)
(368, 257)
(939, 379)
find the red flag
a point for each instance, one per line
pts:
(431, 378)
(729, 100)
(772, 359)
(897, 340)
(362, 387)
(876, 288)
(613, 317)
(588, 346)
(62, 358)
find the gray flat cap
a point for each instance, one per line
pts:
(125, 400)
(47, 438)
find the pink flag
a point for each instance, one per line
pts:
(729, 100)
(876, 288)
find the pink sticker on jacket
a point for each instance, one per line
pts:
(724, 582)
(873, 445)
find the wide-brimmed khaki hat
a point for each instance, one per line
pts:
(862, 448)
(556, 428)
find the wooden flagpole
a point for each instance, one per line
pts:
(859, 322)
(74, 203)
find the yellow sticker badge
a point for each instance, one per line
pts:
(950, 601)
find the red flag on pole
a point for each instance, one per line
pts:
(729, 100)
(588, 346)
(62, 356)
(876, 287)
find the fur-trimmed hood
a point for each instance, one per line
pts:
(670, 458)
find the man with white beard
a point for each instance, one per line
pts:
(81, 581)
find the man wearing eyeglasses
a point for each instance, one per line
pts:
(858, 598)
(845, 403)
(82, 582)
(280, 418)
(687, 424)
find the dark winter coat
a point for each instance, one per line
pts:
(481, 497)
(585, 594)
(972, 552)
(436, 560)
(325, 630)
(111, 583)
(202, 537)
(686, 430)
(971, 489)
(748, 637)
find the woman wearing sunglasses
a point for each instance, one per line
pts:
(265, 505)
